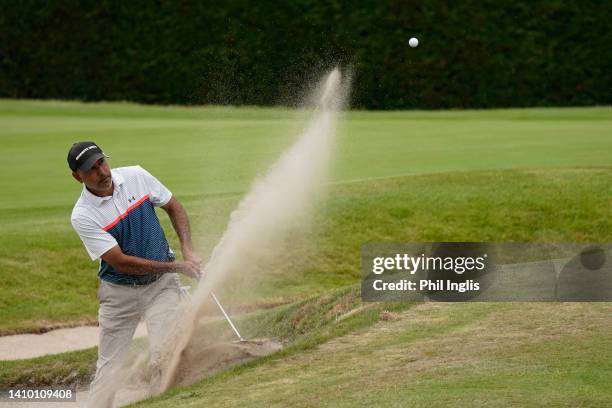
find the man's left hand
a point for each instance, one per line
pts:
(193, 258)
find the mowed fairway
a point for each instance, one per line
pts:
(507, 175)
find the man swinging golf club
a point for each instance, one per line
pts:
(115, 218)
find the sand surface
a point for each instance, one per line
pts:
(22, 346)
(200, 361)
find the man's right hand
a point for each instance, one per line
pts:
(134, 265)
(189, 268)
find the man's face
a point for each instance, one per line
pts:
(97, 179)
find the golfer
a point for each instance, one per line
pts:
(115, 218)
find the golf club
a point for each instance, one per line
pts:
(240, 338)
(184, 290)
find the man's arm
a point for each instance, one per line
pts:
(180, 222)
(133, 265)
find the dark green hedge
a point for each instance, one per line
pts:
(472, 53)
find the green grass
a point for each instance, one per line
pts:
(207, 151)
(502, 175)
(435, 355)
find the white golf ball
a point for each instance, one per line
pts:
(413, 42)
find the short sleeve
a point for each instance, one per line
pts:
(159, 195)
(97, 241)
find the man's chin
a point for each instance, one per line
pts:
(104, 186)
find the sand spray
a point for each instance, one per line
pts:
(279, 198)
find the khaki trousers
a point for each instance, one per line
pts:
(121, 309)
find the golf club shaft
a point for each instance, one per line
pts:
(226, 316)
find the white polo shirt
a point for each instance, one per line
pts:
(127, 218)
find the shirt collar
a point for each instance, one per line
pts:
(118, 180)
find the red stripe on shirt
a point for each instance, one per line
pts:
(125, 214)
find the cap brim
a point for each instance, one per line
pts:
(90, 161)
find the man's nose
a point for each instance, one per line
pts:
(101, 172)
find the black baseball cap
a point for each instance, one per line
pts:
(83, 155)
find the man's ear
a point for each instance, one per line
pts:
(77, 177)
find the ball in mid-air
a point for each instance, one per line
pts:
(413, 42)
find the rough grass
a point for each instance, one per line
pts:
(435, 355)
(562, 205)
(431, 354)
(67, 369)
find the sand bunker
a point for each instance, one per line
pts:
(20, 346)
(201, 361)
